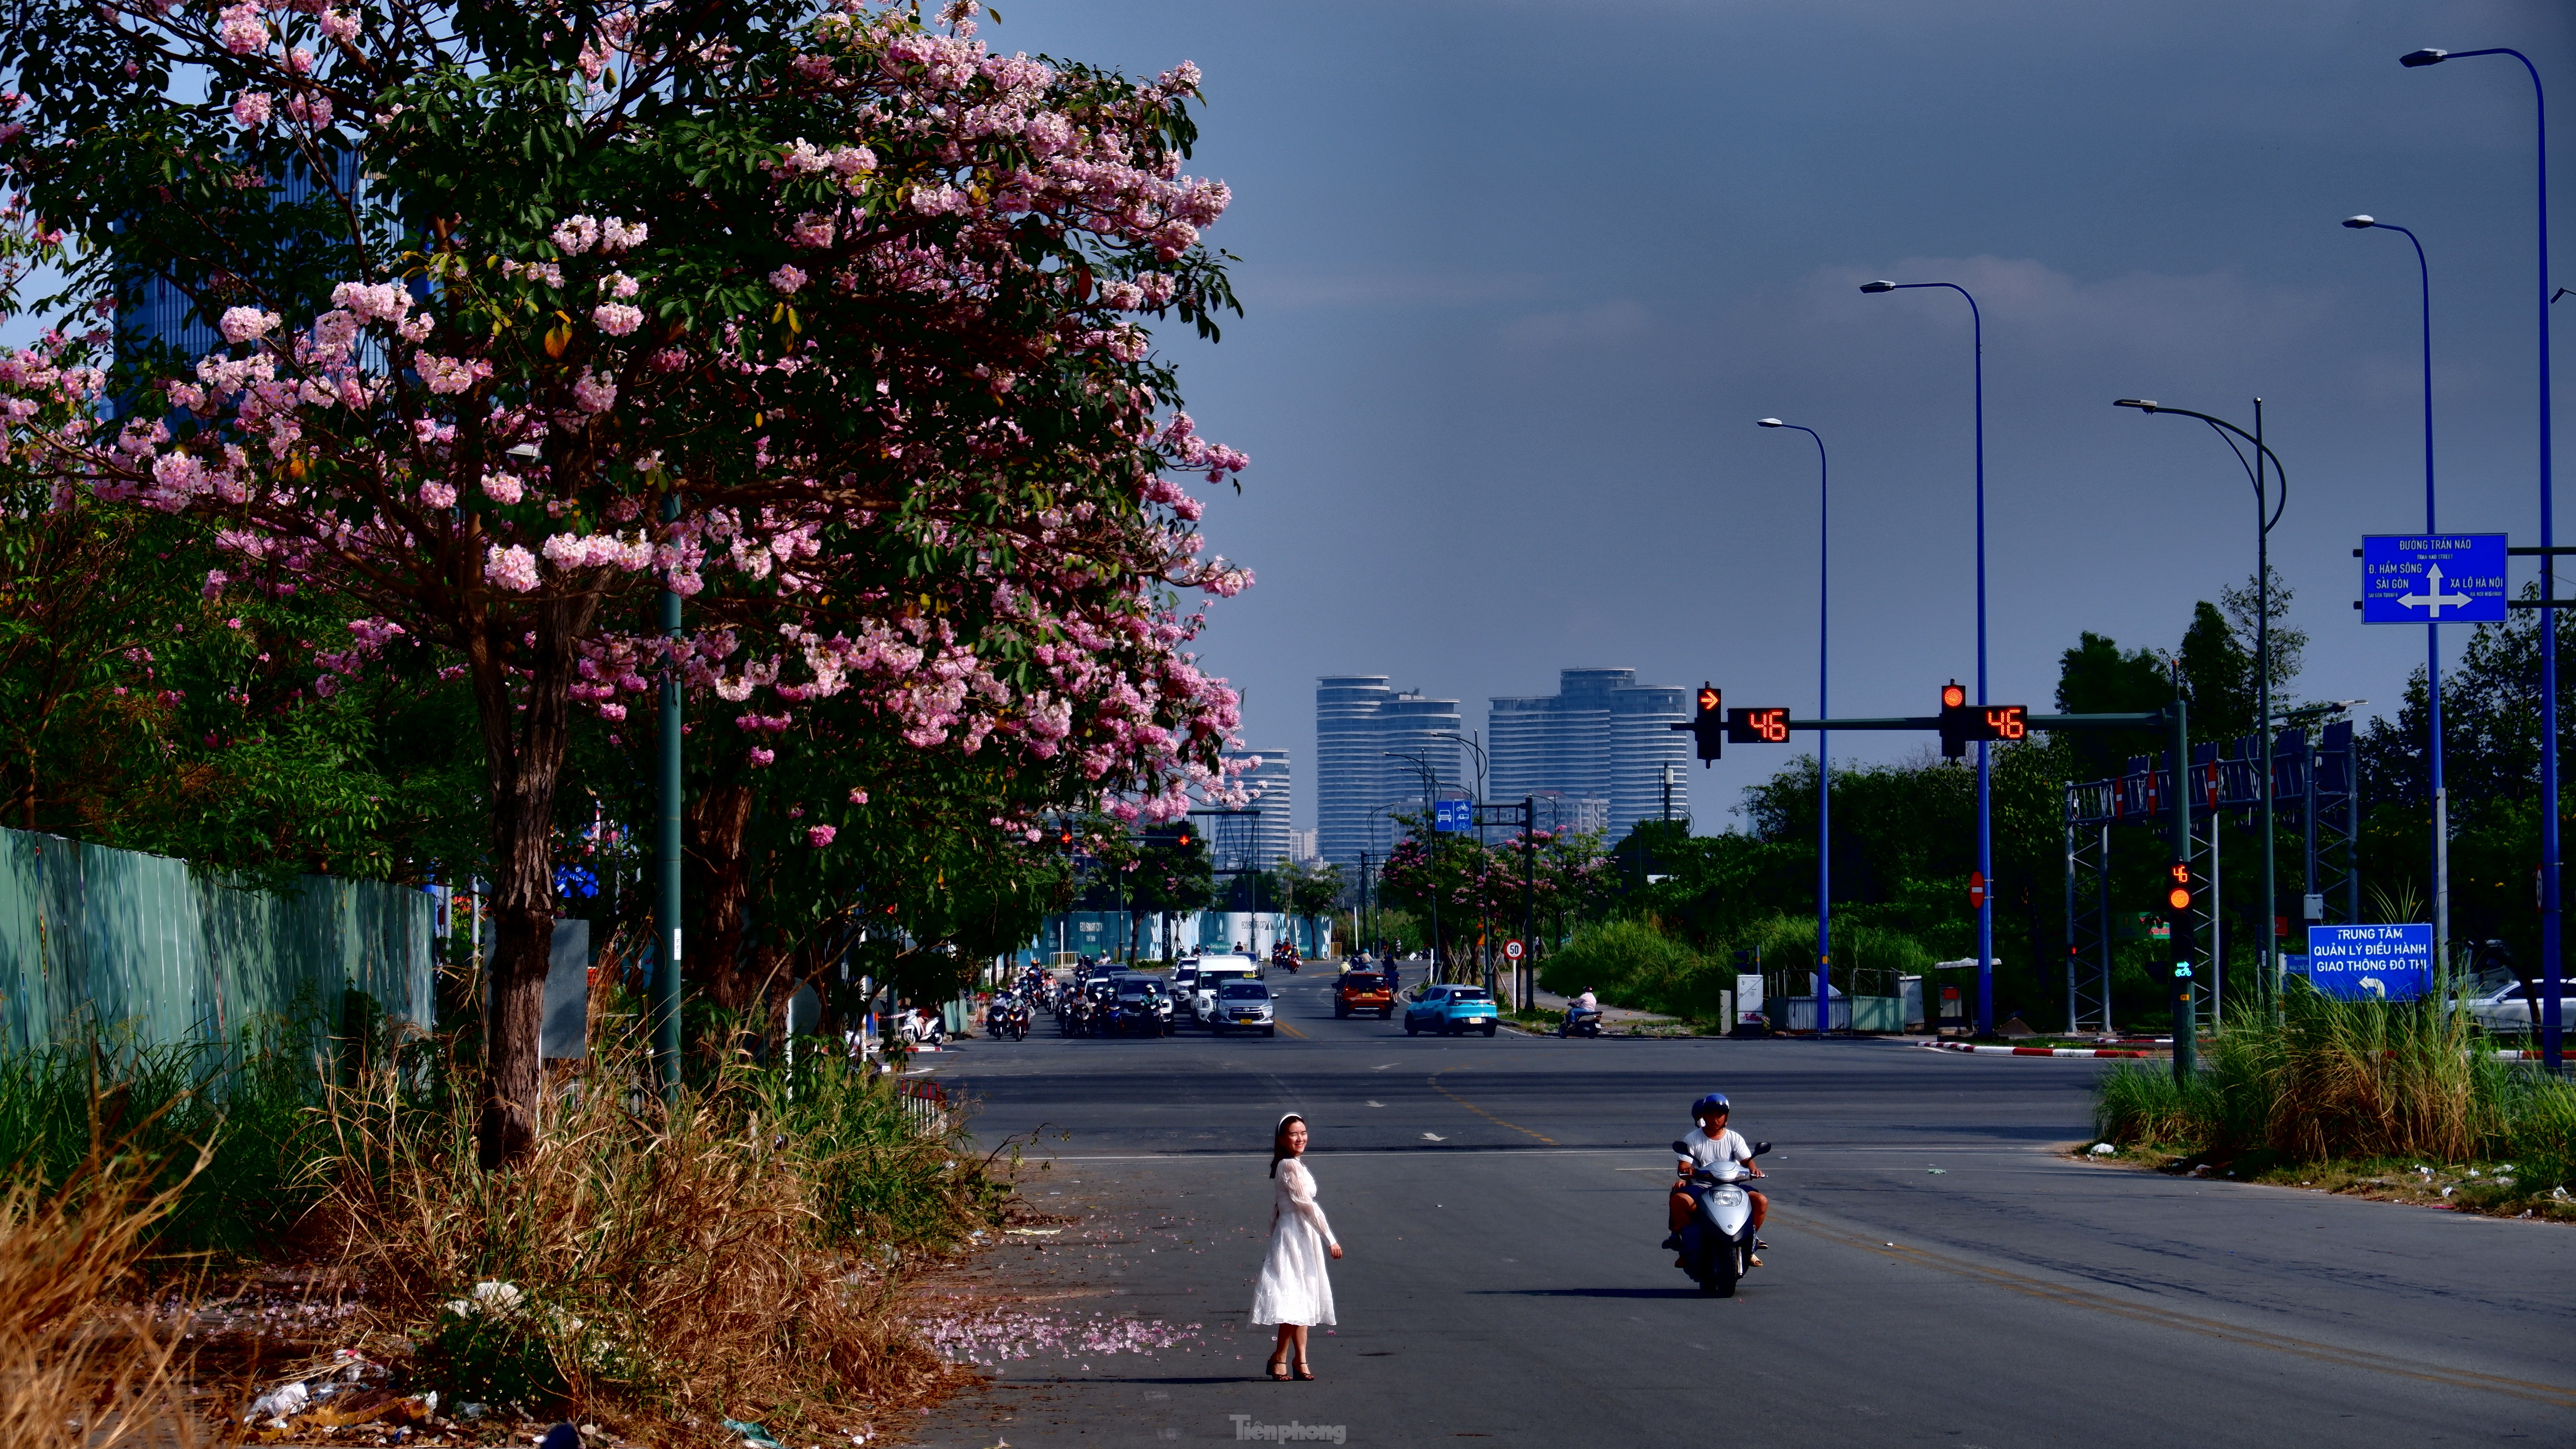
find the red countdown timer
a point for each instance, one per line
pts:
(2008, 722)
(1757, 726)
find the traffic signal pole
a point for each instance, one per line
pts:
(2186, 1024)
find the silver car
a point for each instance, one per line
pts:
(2495, 1000)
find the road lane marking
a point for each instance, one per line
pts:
(1434, 1080)
(1292, 1031)
(2073, 1297)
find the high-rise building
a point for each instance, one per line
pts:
(1359, 722)
(1256, 842)
(1599, 744)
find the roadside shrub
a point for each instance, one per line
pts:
(735, 1255)
(81, 1366)
(2349, 1081)
(1632, 963)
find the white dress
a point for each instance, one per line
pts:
(1293, 1287)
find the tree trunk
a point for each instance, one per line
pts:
(717, 822)
(524, 741)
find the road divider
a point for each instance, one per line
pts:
(2010, 1051)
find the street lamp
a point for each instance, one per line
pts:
(1484, 926)
(2266, 514)
(1985, 767)
(1824, 738)
(2432, 631)
(2551, 978)
(1430, 848)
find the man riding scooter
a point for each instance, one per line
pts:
(1713, 1143)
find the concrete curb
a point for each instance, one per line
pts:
(2005, 1051)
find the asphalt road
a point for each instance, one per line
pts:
(1500, 1203)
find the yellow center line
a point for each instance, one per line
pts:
(1434, 1079)
(2207, 1327)
(1292, 1031)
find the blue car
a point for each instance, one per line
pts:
(1449, 1010)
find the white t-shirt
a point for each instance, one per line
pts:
(1716, 1155)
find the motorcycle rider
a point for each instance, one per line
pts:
(1711, 1144)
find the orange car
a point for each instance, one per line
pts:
(1359, 991)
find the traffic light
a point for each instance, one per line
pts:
(1708, 727)
(2178, 887)
(1955, 716)
(1962, 721)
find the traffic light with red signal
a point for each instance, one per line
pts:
(1708, 726)
(1962, 721)
(2178, 888)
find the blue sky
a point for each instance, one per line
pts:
(1519, 277)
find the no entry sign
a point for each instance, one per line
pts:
(1976, 890)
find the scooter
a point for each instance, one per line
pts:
(1579, 1022)
(1717, 1243)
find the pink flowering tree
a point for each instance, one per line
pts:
(826, 318)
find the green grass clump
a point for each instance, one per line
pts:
(2349, 1081)
(247, 1103)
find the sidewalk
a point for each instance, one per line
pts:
(1616, 1018)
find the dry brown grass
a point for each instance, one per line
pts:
(83, 1364)
(663, 1269)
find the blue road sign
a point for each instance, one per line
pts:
(1453, 815)
(2370, 963)
(2433, 578)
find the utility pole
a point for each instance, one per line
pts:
(2186, 1024)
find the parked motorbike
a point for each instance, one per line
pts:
(1580, 1022)
(1717, 1243)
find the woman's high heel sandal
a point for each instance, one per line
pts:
(1279, 1369)
(1304, 1372)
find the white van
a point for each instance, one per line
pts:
(1207, 974)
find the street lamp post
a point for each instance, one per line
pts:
(1985, 765)
(2432, 631)
(2266, 514)
(1824, 738)
(2551, 977)
(1484, 922)
(666, 846)
(1430, 848)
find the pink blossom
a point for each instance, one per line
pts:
(762, 759)
(612, 712)
(450, 374)
(299, 61)
(787, 279)
(242, 31)
(819, 836)
(511, 567)
(340, 25)
(616, 235)
(437, 495)
(594, 392)
(617, 318)
(503, 488)
(241, 324)
(251, 110)
(313, 111)
(575, 235)
(858, 797)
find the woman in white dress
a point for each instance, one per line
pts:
(1293, 1291)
